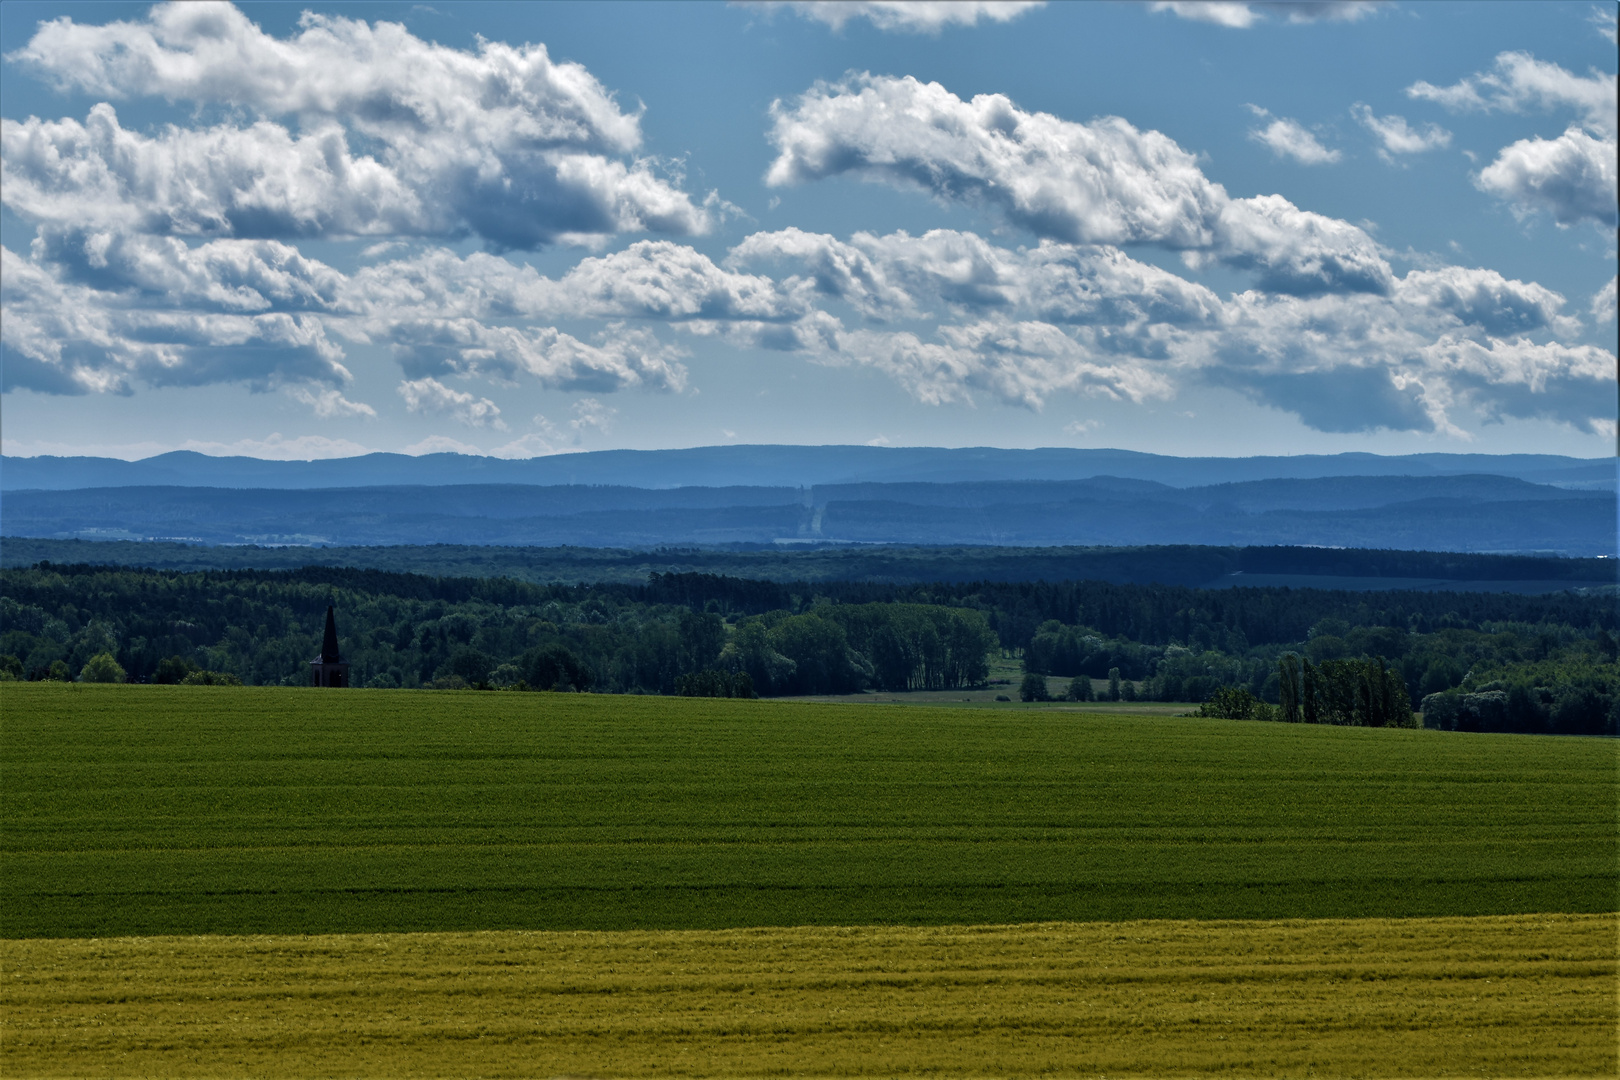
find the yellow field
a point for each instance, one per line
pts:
(1530, 995)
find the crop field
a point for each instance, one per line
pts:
(140, 810)
(1493, 996)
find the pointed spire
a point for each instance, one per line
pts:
(329, 644)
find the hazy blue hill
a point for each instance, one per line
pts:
(772, 466)
(1456, 513)
(1252, 496)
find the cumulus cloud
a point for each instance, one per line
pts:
(622, 357)
(1518, 81)
(1396, 136)
(1242, 14)
(950, 317)
(1486, 299)
(1603, 303)
(1297, 251)
(1021, 363)
(1290, 139)
(329, 403)
(503, 142)
(432, 396)
(225, 275)
(900, 276)
(68, 338)
(1105, 182)
(649, 279)
(442, 444)
(1420, 360)
(1571, 177)
(911, 16)
(590, 413)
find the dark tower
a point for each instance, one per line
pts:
(329, 669)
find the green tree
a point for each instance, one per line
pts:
(1229, 703)
(1033, 688)
(1113, 684)
(102, 668)
(1288, 692)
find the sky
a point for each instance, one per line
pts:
(310, 231)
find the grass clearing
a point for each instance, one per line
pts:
(1493, 996)
(133, 810)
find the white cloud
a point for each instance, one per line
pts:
(504, 141)
(1242, 14)
(68, 338)
(899, 276)
(912, 16)
(1104, 182)
(1571, 177)
(432, 396)
(649, 279)
(222, 275)
(327, 404)
(1486, 299)
(1603, 20)
(1396, 136)
(1101, 183)
(590, 413)
(1021, 363)
(1289, 139)
(623, 356)
(1519, 81)
(1603, 303)
(1297, 251)
(1024, 325)
(441, 444)
(534, 444)
(275, 446)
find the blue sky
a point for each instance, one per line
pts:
(1245, 228)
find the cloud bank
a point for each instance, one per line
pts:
(171, 257)
(503, 143)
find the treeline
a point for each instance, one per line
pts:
(715, 635)
(1178, 564)
(405, 630)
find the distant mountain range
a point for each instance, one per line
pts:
(1438, 512)
(775, 466)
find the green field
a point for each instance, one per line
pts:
(183, 810)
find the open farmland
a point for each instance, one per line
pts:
(1493, 996)
(183, 810)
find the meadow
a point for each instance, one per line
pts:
(150, 810)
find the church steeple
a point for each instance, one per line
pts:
(329, 644)
(329, 669)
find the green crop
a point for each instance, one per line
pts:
(131, 810)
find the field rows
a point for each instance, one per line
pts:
(177, 810)
(1497, 996)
